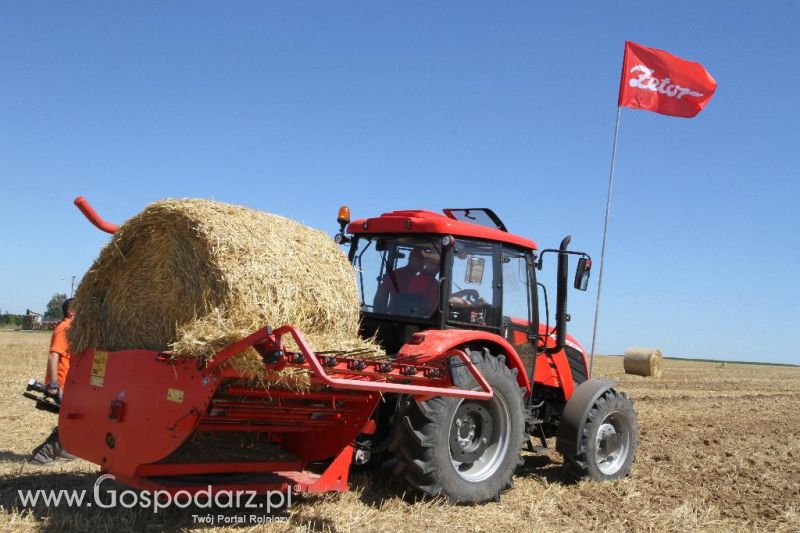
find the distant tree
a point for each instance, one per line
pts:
(54, 307)
(8, 319)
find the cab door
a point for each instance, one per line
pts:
(517, 305)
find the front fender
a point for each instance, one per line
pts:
(435, 342)
(576, 412)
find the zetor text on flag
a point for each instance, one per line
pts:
(657, 81)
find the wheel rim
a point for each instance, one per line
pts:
(612, 443)
(477, 448)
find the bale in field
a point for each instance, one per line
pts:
(191, 276)
(643, 362)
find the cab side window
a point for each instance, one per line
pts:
(516, 289)
(516, 301)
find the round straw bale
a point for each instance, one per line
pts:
(191, 276)
(643, 362)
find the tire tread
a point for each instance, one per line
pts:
(414, 442)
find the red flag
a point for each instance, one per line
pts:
(657, 81)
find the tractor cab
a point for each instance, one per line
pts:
(420, 270)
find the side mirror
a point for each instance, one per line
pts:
(582, 273)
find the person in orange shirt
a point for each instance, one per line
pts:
(56, 378)
(58, 360)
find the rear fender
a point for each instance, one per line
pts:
(432, 343)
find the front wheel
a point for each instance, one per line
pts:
(464, 450)
(607, 440)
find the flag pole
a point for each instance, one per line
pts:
(605, 235)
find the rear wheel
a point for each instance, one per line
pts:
(464, 450)
(608, 440)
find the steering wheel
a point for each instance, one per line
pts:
(471, 309)
(471, 296)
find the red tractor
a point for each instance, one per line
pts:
(473, 377)
(460, 281)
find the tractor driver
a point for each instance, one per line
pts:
(56, 378)
(413, 286)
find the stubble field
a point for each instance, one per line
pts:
(719, 450)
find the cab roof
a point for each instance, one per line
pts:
(422, 221)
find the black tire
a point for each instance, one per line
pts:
(608, 441)
(424, 431)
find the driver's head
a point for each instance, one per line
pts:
(431, 258)
(416, 259)
(424, 259)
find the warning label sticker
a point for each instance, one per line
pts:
(175, 395)
(99, 368)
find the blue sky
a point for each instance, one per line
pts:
(298, 107)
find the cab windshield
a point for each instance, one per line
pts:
(398, 276)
